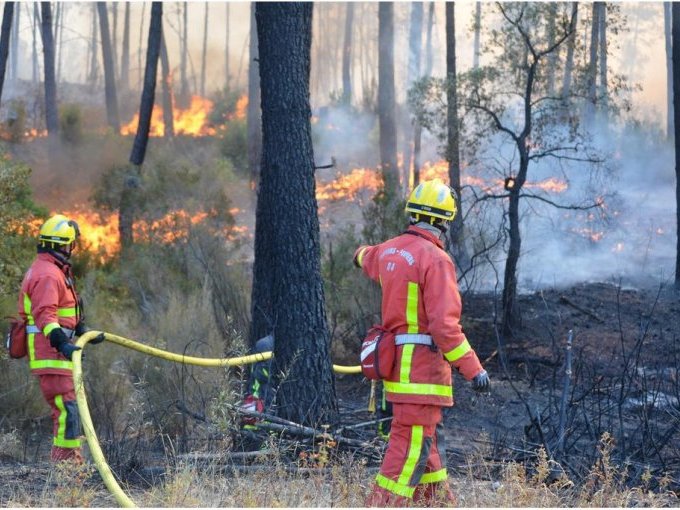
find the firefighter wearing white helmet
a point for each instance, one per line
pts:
(421, 306)
(53, 317)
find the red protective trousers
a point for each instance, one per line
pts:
(414, 467)
(59, 393)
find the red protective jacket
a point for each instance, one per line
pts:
(420, 296)
(48, 300)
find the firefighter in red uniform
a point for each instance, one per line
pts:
(421, 305)
(53, 315)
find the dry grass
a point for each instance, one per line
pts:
(342, 482)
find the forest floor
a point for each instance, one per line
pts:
(616, 329)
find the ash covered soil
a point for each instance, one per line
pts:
(616, 329)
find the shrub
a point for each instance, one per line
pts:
(70, 123)
(234, 144)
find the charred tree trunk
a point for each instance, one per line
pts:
(205, 49)
(571, 44)
(287, 246)
(386, 106)
(347, 55)
(166, 76)
(478, 29)
(125, 52)
(5, 32)
(253, 114)
(591, 76)
(603, 89)
(132, 179)
(51, 111)
(184, 85)
(415, 44)
(669, 69)
(676, 118)
(109, 74)
(453, 135)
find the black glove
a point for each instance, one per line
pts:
(98, 339)
(481, 381)
(81, 328)
(60, 342)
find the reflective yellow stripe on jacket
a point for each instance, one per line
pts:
(33, 363)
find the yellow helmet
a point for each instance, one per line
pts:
(59, 230)
(432, 198)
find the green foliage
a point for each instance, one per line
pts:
(71, 123)
(234, 144)
(224, 106)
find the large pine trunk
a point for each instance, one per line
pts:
(109, 72)
(386, 105)
(5, 32)
(287, 247)
(253, 114)
(132, 179)
(51, 111)
(14, 46)
(205, 49)
(571, 45)
(415, 40)
(676, 118)
(602, 33)
(591, 76)
(347, 55)
(453, 134)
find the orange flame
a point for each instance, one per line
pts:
(350, 185)
(241, 108)
(192, 121)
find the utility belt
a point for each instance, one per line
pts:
(33, 329)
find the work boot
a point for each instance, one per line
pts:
(59, 454)
(434, 495)
(382, 498)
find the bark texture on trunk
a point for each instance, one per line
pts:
(386, 96)
(287, 246)
(51, 110)
(112, 116)
(5, 32)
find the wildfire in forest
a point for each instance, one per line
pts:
(350, 185)
(192, 121)
(241, 108)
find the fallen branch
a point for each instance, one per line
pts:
(567, 301)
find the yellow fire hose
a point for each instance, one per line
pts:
(92, 441)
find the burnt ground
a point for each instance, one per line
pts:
(626, 345)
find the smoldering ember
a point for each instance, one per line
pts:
(339, 254)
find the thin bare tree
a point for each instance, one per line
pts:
(112, 116)
(51, 109)
(5, 33)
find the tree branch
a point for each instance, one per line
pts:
(560, 206)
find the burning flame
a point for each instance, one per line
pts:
(350, 185)
(192, 121)
(241, 108)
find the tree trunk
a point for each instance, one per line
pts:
(591, 77)
(226, 50)
(205, 49)
(131, 181)
(5, 32)
(94, 72)
(109, 74)
(603, 90)
(427, 72)
(14, 46)
(670, 125)
(453, 136)
(125, 52)
(166, 76)
(571, 44)
(415, 44)
(347, 55)
(51, 111)
(675, 16)
(478, 29)
(57, 17)
(149, 91)
(254, 119)
(552, 57)
(287, 247)
(386, 106)
(184, 85)
(36, 24)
